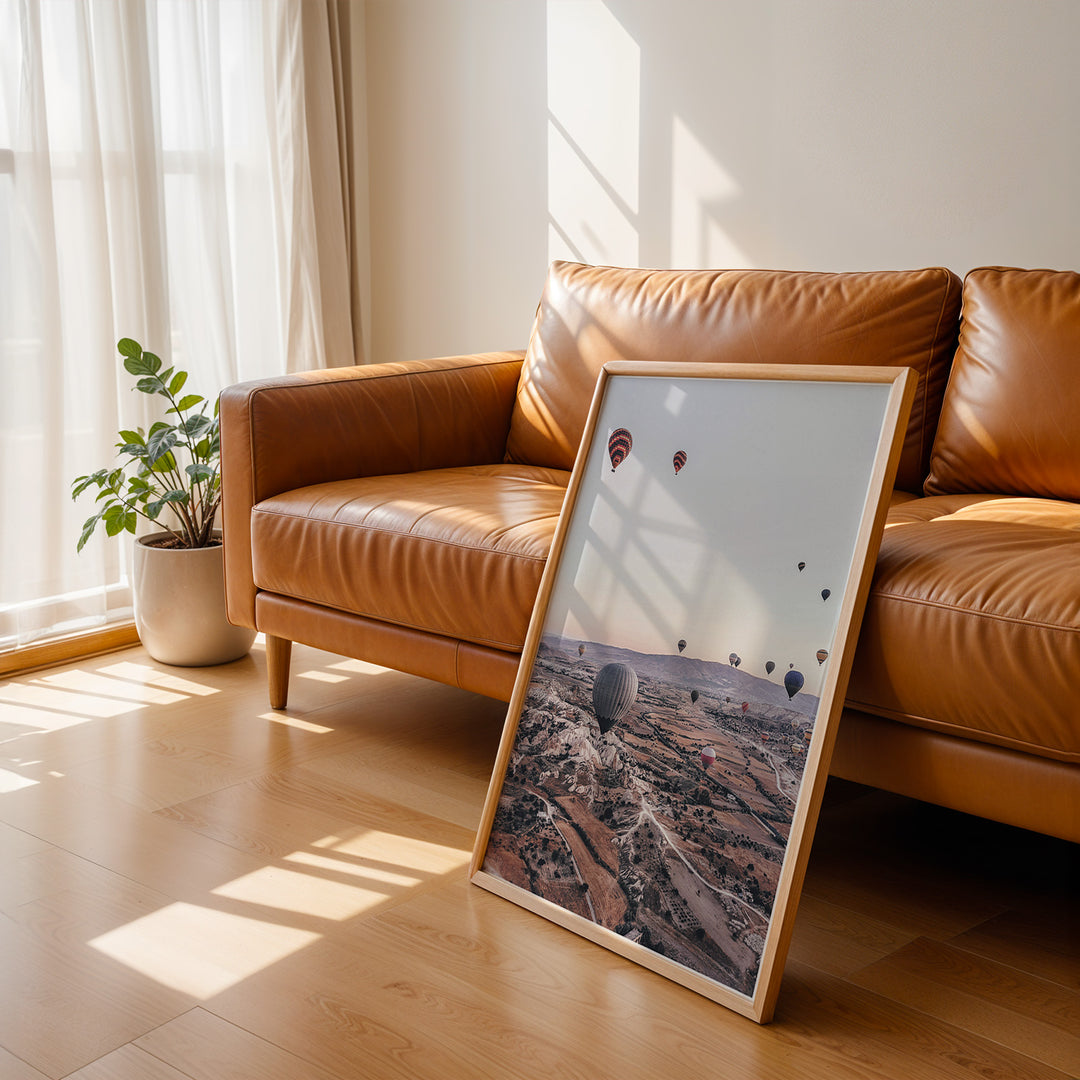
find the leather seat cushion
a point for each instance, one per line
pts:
(457, 552)
(973, 622)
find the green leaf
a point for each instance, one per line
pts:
(132, 437)
(153, 362)
(177, 385)
(130, 520)
(89, 525)
(132, 449)
(83, 482)
(189, 401)
(155, 508)
(199, 472)
(151, 385)
(114, 525)
(129, 347)
(137, 483)
(164, 464)
(194, 426)
(160, 443)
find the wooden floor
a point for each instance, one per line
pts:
(194, 886)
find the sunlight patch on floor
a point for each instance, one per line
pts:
(11, 781)
(200, 951)
(322, 676)
(310, 894)
(295, 722)
(143, 673)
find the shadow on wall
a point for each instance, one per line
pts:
(831, 136)
(630, 183)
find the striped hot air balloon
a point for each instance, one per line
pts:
(618, 446)
(822, 656)
(613, 693)
(679, 460)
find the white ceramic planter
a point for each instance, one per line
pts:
(180, 605)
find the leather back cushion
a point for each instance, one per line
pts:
(1010, 422)
(589, 315)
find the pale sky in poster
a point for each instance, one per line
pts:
(777, 473)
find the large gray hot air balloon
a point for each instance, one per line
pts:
(613, 693)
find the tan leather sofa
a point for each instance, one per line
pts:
(402, 513)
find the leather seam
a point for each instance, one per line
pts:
(965, 732)
(502, 646)
(926, 452)
(404, 535)
(941, 605)
(411, 373)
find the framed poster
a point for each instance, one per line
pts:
(668, 739)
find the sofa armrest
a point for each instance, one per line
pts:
(318, 426)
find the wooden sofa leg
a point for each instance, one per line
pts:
(278, 654)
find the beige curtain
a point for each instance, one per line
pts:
(181, 173)
(315, 83)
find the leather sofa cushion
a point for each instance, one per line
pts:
(1011, 417)
(589, 315)
(457, 552)
(971, 625)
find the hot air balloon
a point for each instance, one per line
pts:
(613, 693)
(679, 460)
(826, 593)
(745, 706)
(770, 667)
(734, 660)
(822, 656)
(708, 756)
(694, 695)
(793, 683)
(618, 446)
(581, 650)
(802, 567)
(682, 644)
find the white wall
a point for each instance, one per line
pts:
(817, 134)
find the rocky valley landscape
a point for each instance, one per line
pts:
(669, 827)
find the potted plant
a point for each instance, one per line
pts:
(169, 476)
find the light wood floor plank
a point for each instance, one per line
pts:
(128, 1063)
(839, 940)
(12, 1068)
(1037, 1017)
(205, 1047)
(194, 886)
(1044, 941)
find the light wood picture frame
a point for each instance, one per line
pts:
(668, 739)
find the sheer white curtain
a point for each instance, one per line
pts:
(170, 170)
